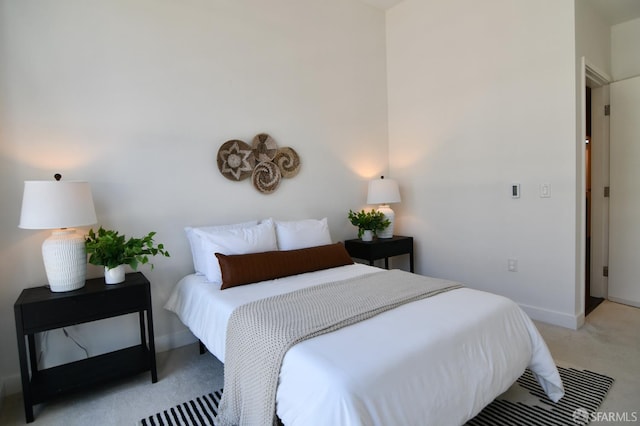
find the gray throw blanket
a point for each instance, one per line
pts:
(260, 333)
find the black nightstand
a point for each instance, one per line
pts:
(381, 248)
(38, 309)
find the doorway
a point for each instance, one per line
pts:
(596, 183)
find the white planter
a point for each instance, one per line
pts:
(367, 235)
(114, 275)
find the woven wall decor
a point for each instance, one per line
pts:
(236, 160)
(262, 160)
(288, 161)
(264, 147)
(266, 177)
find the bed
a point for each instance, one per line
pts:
(436, 361)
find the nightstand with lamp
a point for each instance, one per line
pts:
(384, 192)
(71, 299)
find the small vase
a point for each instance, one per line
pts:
(114, 275)
(367, 235)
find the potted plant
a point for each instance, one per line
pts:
(368, 223)
(110, 249)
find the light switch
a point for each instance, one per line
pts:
(545, 190)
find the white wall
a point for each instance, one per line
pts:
(625, 55)
(593, 37)
(482, 95)
(137, 97)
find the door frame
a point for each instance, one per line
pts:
(594, 78)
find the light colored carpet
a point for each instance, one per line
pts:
(182, 374)
(609, 343)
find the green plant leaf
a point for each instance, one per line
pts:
(373, 221)
(109, 248)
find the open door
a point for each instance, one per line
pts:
(596, 185)
(598, 214)
(624, 242)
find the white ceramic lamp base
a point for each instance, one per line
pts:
(65, 260)
(389, 214)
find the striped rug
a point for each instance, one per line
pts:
(584, 392)
(197, 412)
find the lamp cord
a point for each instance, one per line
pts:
(44, 340)
(86, 352)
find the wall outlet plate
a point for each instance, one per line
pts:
(545, 190)
(515, 190)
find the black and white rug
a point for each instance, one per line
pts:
(525, 404)
(197, 412)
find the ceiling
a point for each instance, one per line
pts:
(612, 11)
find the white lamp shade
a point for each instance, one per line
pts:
(383, 191)
(56, 204)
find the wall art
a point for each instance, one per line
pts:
(263, 161)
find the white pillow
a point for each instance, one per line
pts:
(197, 252)
(253, 239)
(299, 234)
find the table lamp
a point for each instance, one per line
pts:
(60, 205)
(384, 191)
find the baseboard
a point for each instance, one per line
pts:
(10, 385)
(624, 301)
(561, 319)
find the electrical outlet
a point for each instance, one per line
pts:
(512, 265)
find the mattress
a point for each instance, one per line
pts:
(435, 361)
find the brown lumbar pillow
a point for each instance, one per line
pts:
(239, 269)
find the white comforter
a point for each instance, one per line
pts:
(437, 361)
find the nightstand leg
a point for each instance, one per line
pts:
(152, 346)
(26, 382)
(24, 369)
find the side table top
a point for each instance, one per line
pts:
(92, 285)
(379, 240)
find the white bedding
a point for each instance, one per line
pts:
(437, 361)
